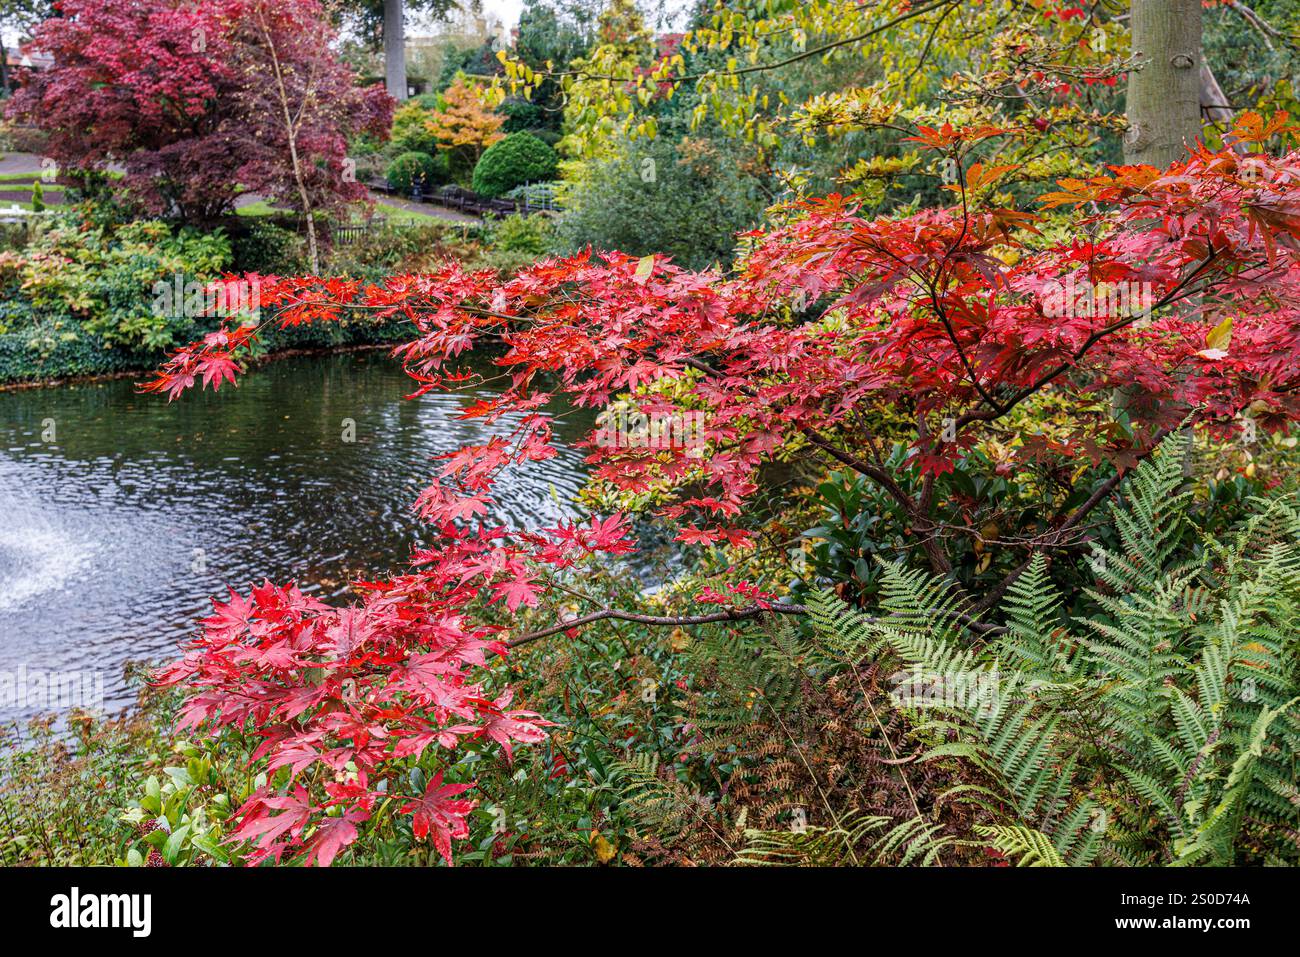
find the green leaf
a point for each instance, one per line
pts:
(172, 849)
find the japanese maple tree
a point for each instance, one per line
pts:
(308, 103)
(958, 317)
(465, 124)
(146, 83)
(178, 94)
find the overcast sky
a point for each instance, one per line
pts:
(507, 11)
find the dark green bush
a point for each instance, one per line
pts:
(549, 137)
(411, 168)
(657, 197)
(522, 116)
(517, 159)
(268, 249)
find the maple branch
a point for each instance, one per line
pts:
(877, 474)
(731, 614)
(1174, 295)
(1056, 538)
(970, 620)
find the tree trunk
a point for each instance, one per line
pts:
(394, 50)
(1164, 92)
(1164, 97)
(291, 134)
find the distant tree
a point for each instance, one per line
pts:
(479, 60)
(18, 18)
(465, 126)
(385, 20)
(550, 33)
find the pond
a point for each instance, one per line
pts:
(120, 514)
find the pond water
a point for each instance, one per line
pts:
(120, 514)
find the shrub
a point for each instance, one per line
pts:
(411, 168)
(268, 249)
(99, 280)
(411, 132)
(520, 234)
(647, 199)
(549, 137)
(516, 241)
(521, 115)
(517, 159)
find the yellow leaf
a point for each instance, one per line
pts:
(604, 850)
(1220, 336)
(645, 266)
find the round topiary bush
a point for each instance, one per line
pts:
(517, 159)
(411, 168)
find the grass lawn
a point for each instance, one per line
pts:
(395, 214)
(259, 208)
(27, 178)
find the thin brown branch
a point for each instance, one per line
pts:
(730, 614)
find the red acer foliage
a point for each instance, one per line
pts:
(957, 315)
(177, 94)
(129, 80)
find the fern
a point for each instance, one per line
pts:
(1152, 731)
(1159, 727)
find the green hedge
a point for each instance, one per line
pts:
(44, 352)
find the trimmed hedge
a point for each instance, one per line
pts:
(519, 158)
(44, 352)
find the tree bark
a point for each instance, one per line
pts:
(1164, 91)
(1164, 96)
(394, 50)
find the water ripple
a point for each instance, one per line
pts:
(115, 531)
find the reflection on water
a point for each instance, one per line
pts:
(116, 528)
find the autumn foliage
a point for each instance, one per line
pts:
(464, 124)
(178, 94)
(953, 315)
